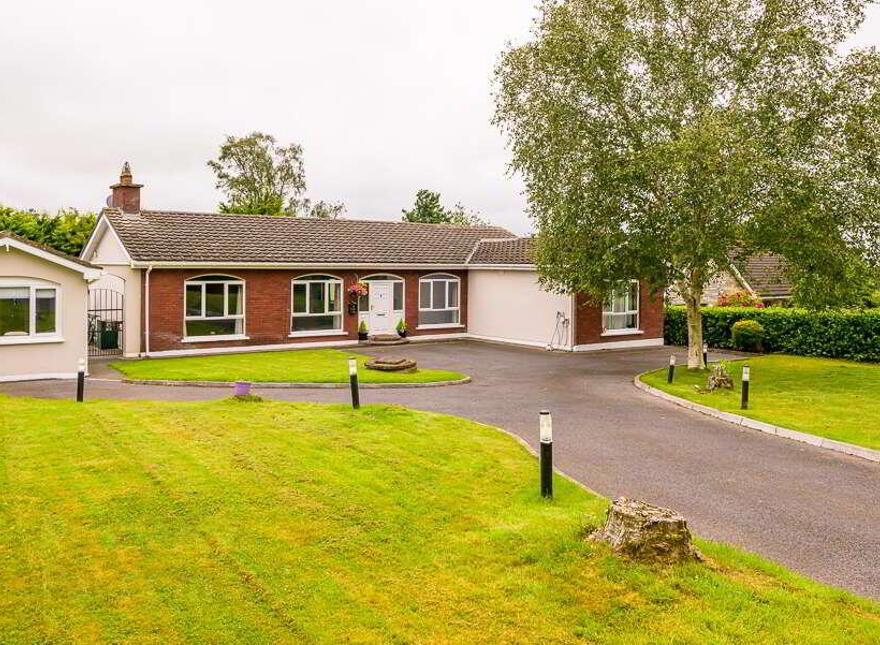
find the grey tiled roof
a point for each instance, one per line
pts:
(765, 275)
(166, 236)
(509, 251)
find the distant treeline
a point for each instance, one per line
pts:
(67, 230)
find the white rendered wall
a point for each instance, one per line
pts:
(110, 256)
(511, 306)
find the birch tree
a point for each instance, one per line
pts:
(663, 139)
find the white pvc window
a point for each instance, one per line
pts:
(621, 310)
(439, 298)
(28, 310)
(316, 305)
(214, 307)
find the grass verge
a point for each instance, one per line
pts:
(830, 398)
(296, 366)
(274, 522)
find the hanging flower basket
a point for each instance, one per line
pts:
(358, 289)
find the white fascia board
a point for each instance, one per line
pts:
(87, 272)
(503, 267)
(296, 265)
(741, 279)
(95, 238)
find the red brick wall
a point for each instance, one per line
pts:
(126, 198)
(588, 319)
(267, 306)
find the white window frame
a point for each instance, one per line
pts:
(391, 279)
(321, 279)
(32, 336)
(607, 310)
(226, 282)
(431, 279)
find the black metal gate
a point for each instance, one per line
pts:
(106, 322)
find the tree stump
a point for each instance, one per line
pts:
(719, 378)
(646, 533)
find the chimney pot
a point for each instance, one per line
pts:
(126, 194)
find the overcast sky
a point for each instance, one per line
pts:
(386, 97)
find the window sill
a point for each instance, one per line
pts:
(450, 326)
(308, 334)
(29, 340)
(623, 332)
(214, 339)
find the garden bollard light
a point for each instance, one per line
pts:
(353, 376)
(671, 369)
(706, 354)
(745, 389)
(546, 431)
(80, 379)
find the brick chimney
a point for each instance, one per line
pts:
(126, 195)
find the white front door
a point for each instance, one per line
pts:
(381, 320)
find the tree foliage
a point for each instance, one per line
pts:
(664, 138)
(258, 176)
(67, 230)
(428, 210)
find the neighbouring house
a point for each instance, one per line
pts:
(43, 302)
(761, 276)
(193, 283)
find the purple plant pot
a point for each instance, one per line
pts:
(242, 388)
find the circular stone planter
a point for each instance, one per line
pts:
(386, 364)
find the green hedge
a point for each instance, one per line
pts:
(854, 335)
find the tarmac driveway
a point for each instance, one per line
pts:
(813, 510)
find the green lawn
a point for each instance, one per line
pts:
(297, 366)
(830, 398)
(276, 522)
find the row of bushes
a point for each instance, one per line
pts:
(853, 335)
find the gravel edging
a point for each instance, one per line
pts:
(297, 386)
(760, 426)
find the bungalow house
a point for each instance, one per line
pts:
(197, 283)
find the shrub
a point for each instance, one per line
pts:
(66, 231)
(740, 299)
(850, 334)
(747, 335)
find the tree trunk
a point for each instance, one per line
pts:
(692, 294)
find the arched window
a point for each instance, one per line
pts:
(315, 305)
(28, 310)
(214, 307)
(439, 297)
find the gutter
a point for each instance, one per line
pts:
(330, 265)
